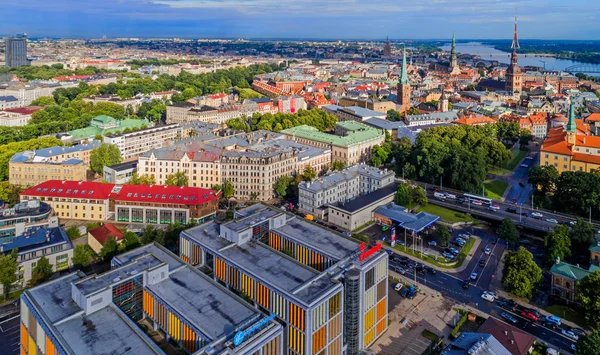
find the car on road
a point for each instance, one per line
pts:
(432, 243)
(398, 287)
(508, 317)
(551, 220)
(570, 334)
(494, 207)
(430, 270)
(486, 296)
(572, 223)
(495, 241)
(482, 262)
(401, 270)
(487, 251)
(573, 347)
(537, 215)
(466, 284)
(529, 316)
(522, 184)
(474, 276)
(525, 214)
(552, 319)
(529, 157)
(449, 195)
(461, 200)
(477, 203)
(511, 210)
(578, 331)
(551, 325)
(524, 165)
(524, 241)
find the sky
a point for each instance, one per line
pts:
(324, 19)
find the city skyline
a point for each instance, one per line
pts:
(488, 19)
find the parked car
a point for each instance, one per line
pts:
(553, 319)
(509, 317)
(525, 214)
(384, 228)
(486, 296)
(529, 157)
(448, 256)
(474, 276)
(578, 331)
(524, 241)
(398, 287)
(495, 241)
(524, 166)
(537, 215)
(453, 251)
(508, 304)
(477, 203)
(573, 347)
(463, 236)
(529, 316)
(487, 251)
(551, 220)
(570, 334)
(432, 243)
(401, 270)
(551, 325)
(405, 292)
(347, 234)
(511, 210)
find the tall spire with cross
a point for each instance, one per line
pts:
(514, 77)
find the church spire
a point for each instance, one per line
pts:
(571, 126)
(453, 60)
(403, 73)
(515, 45)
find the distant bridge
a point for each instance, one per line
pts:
(583, 68)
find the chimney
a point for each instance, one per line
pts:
(512, 341)
(506, 332)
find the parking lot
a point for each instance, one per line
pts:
(9, 334)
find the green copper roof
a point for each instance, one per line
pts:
(571, 127)
(569, 271)
(92, 131)
(359, 132)
(103, 119)
(403, 74)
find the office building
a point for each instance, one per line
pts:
(133, 144)
(14, 221)
(329, 292)
(149, 287)
(119, 174)
(17, 117)
(351, 143)
(151, 204)
(353, 113)
(15, 51)
(341, 186)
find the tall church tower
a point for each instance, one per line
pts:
(514, 76)
(454, 69)
(571, 126)
(387, 49)
(403, 97)
(443, 103)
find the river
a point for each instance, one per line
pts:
(490, 53)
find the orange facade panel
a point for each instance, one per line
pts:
(381, 309)
(319, 339)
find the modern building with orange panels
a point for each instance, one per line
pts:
(329, 292)
(103, 314)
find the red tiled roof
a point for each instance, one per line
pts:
(218, 96)
(72, 77)
(586, 158)
(70, 188)
(593, 117)
(24, 110)
(515, 341)
(474, 120)
(103, 232)
(183, 195)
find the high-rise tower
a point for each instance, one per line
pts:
(387, 49)
(403, 86)
(514, 76)
(15, 51)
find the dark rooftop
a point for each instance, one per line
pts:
(363, 201)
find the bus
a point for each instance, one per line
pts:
(484, 200)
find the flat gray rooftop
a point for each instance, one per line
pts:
(104, 332)
(208, 307)
(54, 299)
(100, 282)
(153, 249)
(241, 224)
(269, 266)
(318, 238)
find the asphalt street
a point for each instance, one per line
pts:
(10, 334)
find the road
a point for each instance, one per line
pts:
(10, 333)
(519, 193)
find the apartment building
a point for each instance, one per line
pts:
(26, 93)
(328, 292)
(375, 105)
(7, 102)
(187, 112)
(351, 144)
(152, 204)
(14, 221)
(133, 144)
(99, 314)
(17, 117)
(340, 187)
(48, 240)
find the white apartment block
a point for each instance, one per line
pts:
(133, 144)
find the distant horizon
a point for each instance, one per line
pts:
(309, 19)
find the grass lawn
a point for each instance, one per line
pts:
(538, 349)
(569, 314)
(445, 214)
(511, 164)
(12, 296)
(495, 189)
(429, 335)
(248, 93)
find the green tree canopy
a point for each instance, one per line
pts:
(337, 165)
(309, 173)
(81, 256)
(130, 240)
(142, 180)
(521, 273)
(281, 185)
(588, 344)
(589, 297)
(109, 249)
(394, 116)
(8, 270)
(418, 195)
(379, 155)
(557, 244)
(41, 272)
(403, 195)
(508, 231)
(228, 190)
(582, 235)
(104, 155)
(73, 232)
(177, 179)
(443, 236)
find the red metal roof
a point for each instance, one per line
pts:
(103, 232)
(25, 110)
(179, 195)
(184, 195)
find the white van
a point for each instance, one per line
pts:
(439, 196)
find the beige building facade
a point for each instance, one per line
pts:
(31, 173)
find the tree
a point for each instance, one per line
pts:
(588, 344)
(443, 236)
(104, 155)
(109, 249)
(10, 193)
(393, 115)
(309, 173)
(521, 273)
(543, 178)
(337, 165)
(131, 240)
(148, 235)
(582, 235)
(73, 232)
(403, 195)
(558, 244)
(177, 179)
(281, 185)
(509, 231)
(43, 101)
(418, 196)
(379, 155)
(41, 272)
(81, 256)
(589, 297)
(228, 190)
(142, 180)
(8, 270)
